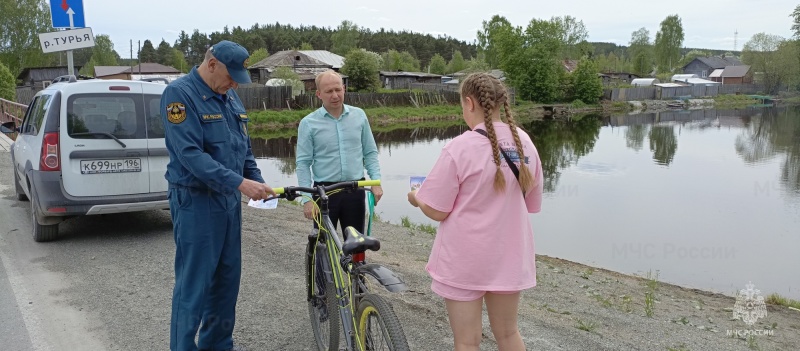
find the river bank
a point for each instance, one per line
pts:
(524, 111)
(574, 306)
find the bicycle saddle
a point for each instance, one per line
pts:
(358, 243)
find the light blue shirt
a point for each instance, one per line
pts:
(335, 150)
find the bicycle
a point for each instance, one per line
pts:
(368, 321)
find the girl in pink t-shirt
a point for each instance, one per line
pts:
(484, 248)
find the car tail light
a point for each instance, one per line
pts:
(50, 160)
(118, 87)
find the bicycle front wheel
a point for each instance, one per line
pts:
(378, 326)
(322, 305)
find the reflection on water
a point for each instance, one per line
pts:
(710, 198)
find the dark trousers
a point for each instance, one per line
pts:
(208, 263)
(346, 207)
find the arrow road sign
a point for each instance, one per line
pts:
(67, 13)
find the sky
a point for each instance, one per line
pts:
(709, 24)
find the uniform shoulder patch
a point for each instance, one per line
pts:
(176, 112)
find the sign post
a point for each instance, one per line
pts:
(67, 14)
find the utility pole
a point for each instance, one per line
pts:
(131, 62)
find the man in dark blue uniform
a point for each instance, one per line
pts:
(211, 164)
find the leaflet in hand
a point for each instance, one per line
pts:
(416, 182)
(264, 205)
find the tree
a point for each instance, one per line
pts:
(438, 65)
(691, 55)
(148, 52)
(21, 21)
(541, 70)
(179, 61)
(291, 78)
(761, 53)
(641, 52)
(102, 54)
(588, 87)
(796, 24)
(306, 46)
(88, 68)
(400, 61)
(361, 69)
(7, 84)
(669, 41)
(164, 53)
(457, 63)
(258, 55)
(573, 37)
(345, 38)
(492, 39)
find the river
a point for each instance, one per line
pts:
(709, 199)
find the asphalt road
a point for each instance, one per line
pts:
(106, 283)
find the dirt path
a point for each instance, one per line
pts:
(574, 307)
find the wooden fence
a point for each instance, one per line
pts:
(668, 93)
(262, 97)
(455, 88)
(11, 111)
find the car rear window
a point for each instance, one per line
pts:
(125, 116)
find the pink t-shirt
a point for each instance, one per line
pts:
(486, 242)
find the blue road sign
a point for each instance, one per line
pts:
(67, 13)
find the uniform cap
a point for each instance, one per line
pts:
(235, 58)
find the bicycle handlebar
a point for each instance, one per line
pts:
(290, 192)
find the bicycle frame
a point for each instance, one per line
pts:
(340, 269)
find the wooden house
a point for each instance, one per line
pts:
(704, 66)
(733, 75)
(306, 63)
(401, 79)
(40, 77)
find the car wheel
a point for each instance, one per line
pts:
(41, 233)
(20, 191)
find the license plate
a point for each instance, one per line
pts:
(122, 165)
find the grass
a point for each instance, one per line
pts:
(405, 221)
(650, 294)
(681, 347)
(733, 100)
(776, 299)
(626, 304)
(293, 117)
(586, 326)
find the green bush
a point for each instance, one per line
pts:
(7, 83)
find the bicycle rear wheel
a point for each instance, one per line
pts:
(378, 326)
(322, 305)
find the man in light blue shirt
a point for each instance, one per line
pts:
(335, 144)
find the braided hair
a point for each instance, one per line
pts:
(492, 94)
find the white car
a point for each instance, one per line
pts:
(90, 147)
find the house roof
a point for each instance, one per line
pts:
(410, 74)
(717, 62)
(499, 74)
(326, 56)
(700, 81)
(570, 65)
(735, 71)
(681, 77)
(151, 67)
(716, 74)
(102, 71)
(300, 58)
